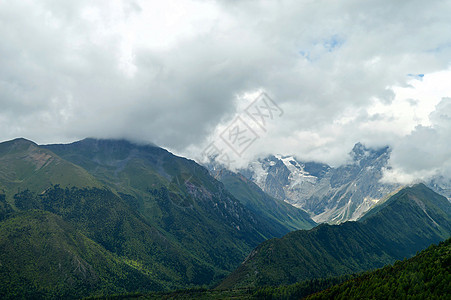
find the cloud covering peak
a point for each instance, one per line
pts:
(177, 73)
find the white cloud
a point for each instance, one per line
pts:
(426, 151)
(173, 72)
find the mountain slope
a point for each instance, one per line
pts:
(101, 214)
(278, 211)
(177, 197)
(25, 165)
(161, 215)
(57, 261)
(412, 219)
(112, 223)
(424, 276)
(332, 195)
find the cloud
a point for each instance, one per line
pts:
(175, 72)
(426, 152)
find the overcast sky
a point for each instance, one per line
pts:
(177, 73)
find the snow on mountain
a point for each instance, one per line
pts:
(328, 194)
(331, 194)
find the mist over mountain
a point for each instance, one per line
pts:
(158, 219)
(111, 216)
(331, 194)
(175, 74)
(158, 214)
(206, 149)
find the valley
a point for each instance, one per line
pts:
(103, 217)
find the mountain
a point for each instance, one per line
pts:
(332, 194)
(328, 194)
(176, 195)
(42, 256)
(162, 217)
(409, 221)
(279, 212)
(110, 221)
(122, 166)
(424, 276)
(98, 217)
(25, 165)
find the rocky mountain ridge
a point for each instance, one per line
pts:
(331, 194)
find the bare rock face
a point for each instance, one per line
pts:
(328, 194)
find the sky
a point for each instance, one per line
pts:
(307, 78)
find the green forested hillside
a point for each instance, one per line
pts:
(100, 217)
(41, 255)
(25, 165)
(413, 219)
(5, 208)
(424, 276)
(177, 196)
(162, 216)
(109, 220)
(427, 275)
(261, 203)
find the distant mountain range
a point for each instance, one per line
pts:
(407, 222)
(95, 211)
(101, 217)
(330, 194)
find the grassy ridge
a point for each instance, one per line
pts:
(278, 211)
(411, 220)
(424, 276)
(24, 165)
(162, 217)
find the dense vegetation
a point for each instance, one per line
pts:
(424, 276)
(110, 217)
(152, 214)
(42, 256)
(5, 208)
(278, 211)
(298, 290)
(410, 221)
(294, 291)
(107, 219)
(177, 196)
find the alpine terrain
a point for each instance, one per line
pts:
(331, 194)
(109, 216)
(407, 222)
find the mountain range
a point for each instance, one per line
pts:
(102, 217)
(407, 222)
(331, 194)
(110, 203)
